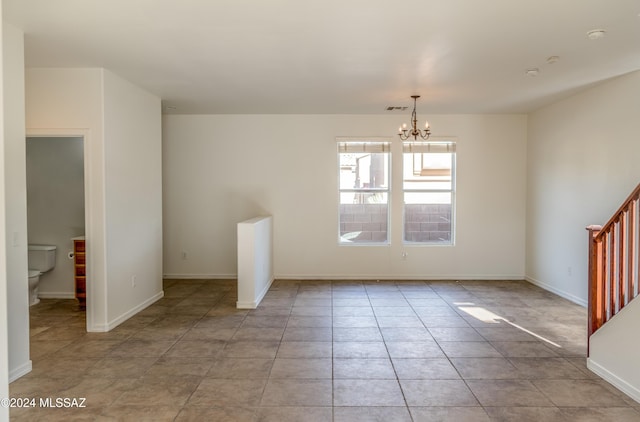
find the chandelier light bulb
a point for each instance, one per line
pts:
(426, 125)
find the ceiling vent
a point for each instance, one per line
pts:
(391, 108)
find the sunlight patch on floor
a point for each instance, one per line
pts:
(488, 317)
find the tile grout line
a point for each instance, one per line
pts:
(404, 398)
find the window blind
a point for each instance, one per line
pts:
(368, 147)
(429, 147)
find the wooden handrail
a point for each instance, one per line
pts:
(634, 196)
(613, 262)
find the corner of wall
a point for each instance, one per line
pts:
(15, 205)
(4, 343)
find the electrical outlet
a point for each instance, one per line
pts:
(184, 254)
(133, 281)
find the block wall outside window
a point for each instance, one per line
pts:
(368, 221)
(427, 223)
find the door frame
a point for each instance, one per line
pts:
(89, 229)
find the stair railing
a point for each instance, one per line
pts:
(613, 263)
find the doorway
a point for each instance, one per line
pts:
(55, 215)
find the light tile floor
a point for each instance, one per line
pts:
(325, 351)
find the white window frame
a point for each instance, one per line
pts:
(430, 148)
(368, 145)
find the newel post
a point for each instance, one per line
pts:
(592, 309)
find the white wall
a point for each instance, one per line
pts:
(55, 206)
(122, 164)
(255, 261)
(619, 364)
(133, 182)
(582, 161)
(222, 169)
(4, 344)
(16, 202)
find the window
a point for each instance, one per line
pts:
(429, 192)
(364, 192)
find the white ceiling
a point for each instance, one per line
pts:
(338, 56)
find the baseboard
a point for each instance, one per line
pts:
(200, 276)
(56, 295)
(261, 295)
(101, 328)
(561, 293)
(402, 277)
(20, 371)
(352, 277)
(614, 380)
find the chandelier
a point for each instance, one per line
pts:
(406, 133)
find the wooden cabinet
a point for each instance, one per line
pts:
(80, 270)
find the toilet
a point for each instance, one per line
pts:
(42, 258)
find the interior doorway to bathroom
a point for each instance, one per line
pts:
(56, 213)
